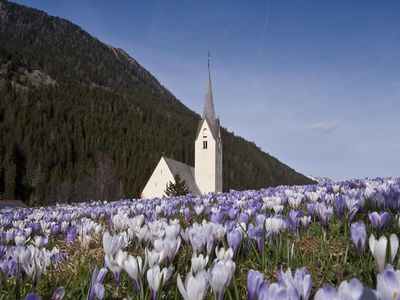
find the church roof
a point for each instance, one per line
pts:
(185, 171)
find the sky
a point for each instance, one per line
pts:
(314, 83)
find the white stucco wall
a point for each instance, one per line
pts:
(218, 165)
(206, 162)
(158, 181)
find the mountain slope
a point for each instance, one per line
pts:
(76, 113)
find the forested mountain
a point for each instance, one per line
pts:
(78, 118)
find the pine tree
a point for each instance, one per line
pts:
(179, 188)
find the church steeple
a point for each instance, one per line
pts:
(209, 111)
(208, 146)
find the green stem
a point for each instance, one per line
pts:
(235, 288)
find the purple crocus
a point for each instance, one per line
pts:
(260, 219)
(379, 220)
(311, 208)
(232, 213)
(340, 205)
(324, 213)
(255, 280)
(358, 236)
(55, 229)
(256, 233)
(32, 296)
(388, 284)
(244, 218)
(234, 238)
(3, 250)
(71, 235)
(352, 290)
(294, 219)
(96, 284)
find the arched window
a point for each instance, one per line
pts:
(204, 132)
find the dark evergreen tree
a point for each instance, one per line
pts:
(177, 188)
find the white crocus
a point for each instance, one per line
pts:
(20, 239)
(218, 231)
(199, 209)
(220, 276)
(111, 244)
(277, 208)
(172, 231)
(116, 262)
(198, 263)
(171, 247)
(154, 277)
(378, 249)
(153, 257)
(224, 254)
(159, 209)
(143, 234)
(195, 287)
(274, 224)
(40, 241)
(134, 267)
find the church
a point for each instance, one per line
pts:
(206, 175)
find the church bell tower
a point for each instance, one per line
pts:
(208, 146)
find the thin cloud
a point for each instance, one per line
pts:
(324, 127)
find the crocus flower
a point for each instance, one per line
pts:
(352, 290)
(276, 291)
(274, 224)
(154, 278)
(223, 254)
(234, 238)
(32, 296)
(254, 281)
(153, 258)
(358, 236)
(169, 246)
(20, 239)
(198, 263)
(311, 208)
(324, 213)
(340, 205)
(305, 220)
(379, 220)
(260, 219)
(220, 276)
(96, 284)
(195, 287)
(134, 266)
(294, 219)
(388, 284)
(300, 283)
(116, 262)
(378, 249)
(111, 244)
(58, 294)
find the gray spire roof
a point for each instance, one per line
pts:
(209, 111)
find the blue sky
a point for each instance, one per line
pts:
(314, 83)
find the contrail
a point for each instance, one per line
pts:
(264, 28)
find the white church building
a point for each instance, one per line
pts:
(206, 176)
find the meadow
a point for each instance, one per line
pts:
(334, 240)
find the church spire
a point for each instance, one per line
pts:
(209, 111)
